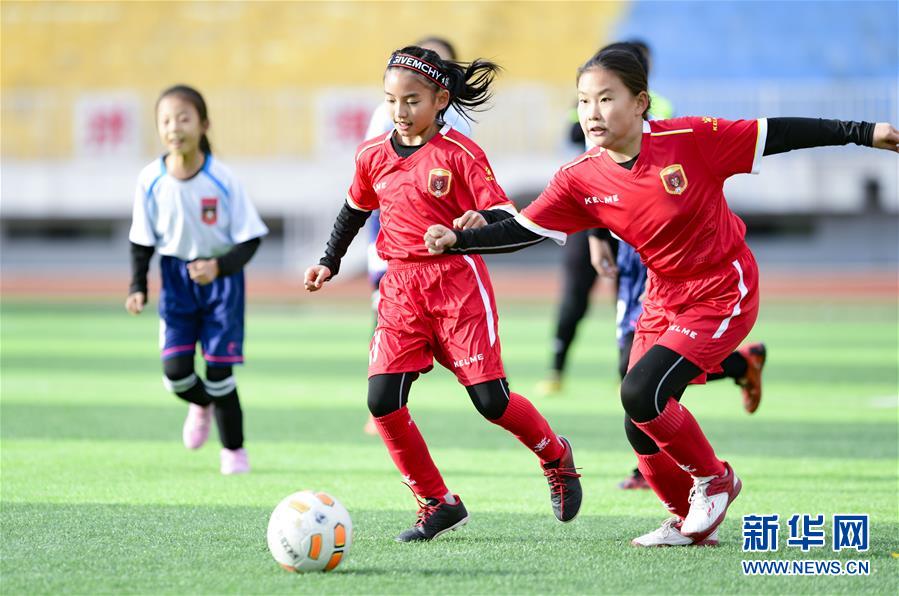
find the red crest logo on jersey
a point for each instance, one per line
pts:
(439, 181)
(209, 207)
(674, 179)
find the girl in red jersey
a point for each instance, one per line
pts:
(659, 186)
(420, 172)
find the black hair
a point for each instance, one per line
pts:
(431, 40)
(193, 96)
(642, 46)
(627, 64)
(632, 47)
(468, 83)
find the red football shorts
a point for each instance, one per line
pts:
(702, 319)
(441, 307)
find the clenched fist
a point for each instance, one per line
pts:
(438, 238)
(135, 302)
(203, 271)
(469, 219)
(886, 137)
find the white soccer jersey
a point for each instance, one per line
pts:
(202, 217)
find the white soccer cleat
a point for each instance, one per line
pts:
(669, 535)
(709, 500)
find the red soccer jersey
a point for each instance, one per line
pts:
(670, 207)
(436, 184)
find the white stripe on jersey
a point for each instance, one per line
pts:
(559, 238)
(760, 141)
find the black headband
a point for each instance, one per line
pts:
(420, 66)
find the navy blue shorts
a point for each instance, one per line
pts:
(212, 315)
(631, 285)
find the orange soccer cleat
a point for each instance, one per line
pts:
(751, 383)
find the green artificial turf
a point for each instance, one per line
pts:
(97, 495)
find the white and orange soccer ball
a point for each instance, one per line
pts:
(309, 531)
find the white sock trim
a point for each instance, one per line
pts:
(179, 385)
(221, 388)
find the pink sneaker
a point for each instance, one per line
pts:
(196, 426)
(234, 461)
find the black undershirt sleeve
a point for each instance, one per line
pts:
(495, 215)
(786, 134)
(601, 233)
(504, 236)
(140, 265)
(236, 258)
(349, 222)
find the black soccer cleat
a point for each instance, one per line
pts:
(435, 518)
(564, 486)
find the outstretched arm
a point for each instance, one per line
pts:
(786, 134)
(504, 236)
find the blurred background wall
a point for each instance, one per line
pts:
(290, 87)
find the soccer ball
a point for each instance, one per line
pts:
(309, 532)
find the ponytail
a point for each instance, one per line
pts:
(470, 86)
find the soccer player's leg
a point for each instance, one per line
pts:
(647, 396)
(710, 317)
(179, 330)
(671, 483)
(222, 387)
(629, 309)
(745, 366)
(400, 350)
(179, 334)
(181, 379)
(635, 480)
(516, 414)
(221, 338)
(468, 345)
(439, 509)
(377, 267)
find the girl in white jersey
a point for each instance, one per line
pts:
(192, 209)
